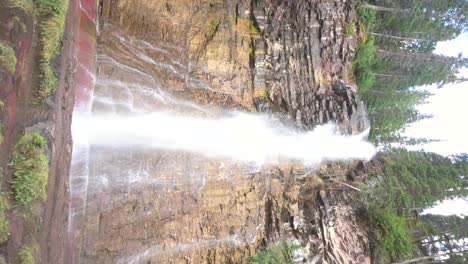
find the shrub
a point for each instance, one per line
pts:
(30, 170)
(26, 254)
(52, 15)
(7, 58)
(368, 17)
(280, 253)
(393, 242)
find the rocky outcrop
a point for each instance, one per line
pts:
(308, 54)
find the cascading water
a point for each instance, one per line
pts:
(144, 159)
(242, 137)
(84, 83)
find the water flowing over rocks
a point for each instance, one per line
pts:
(280, 55)
(287, 58)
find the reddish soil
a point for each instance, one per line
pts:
(20, 38)
(54, 242)
(16, 92)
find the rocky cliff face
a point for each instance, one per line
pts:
(287, 58)
(282, 55)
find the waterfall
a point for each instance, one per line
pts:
(241, 137)
(140, 149)
(84, 82)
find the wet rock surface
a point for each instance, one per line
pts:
(284, 56)
(287, 58)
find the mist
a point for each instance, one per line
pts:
(241, 137)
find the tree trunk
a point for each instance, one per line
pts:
(390, 75)
(414, 260)
(395, 37)
(385, 9)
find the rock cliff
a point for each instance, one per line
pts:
(287, 58)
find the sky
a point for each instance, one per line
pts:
(446, 207)
(449, 106)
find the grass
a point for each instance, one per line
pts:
(280, 253)
(25, 5)
(30, 170)
(26, 254)
(7, 58)
(4, 224)
(52, 15)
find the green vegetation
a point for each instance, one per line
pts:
(393, 241)
(365, 59)
(1, 133)
(396, 54)
(253, 27)
(406, 182)
(1, 126)
(280, 253)
(363, 64)
(7, 58)
(213, 28)
(25, 5)
(350, 29)
(26, 254)
(30, 170)
(251, 51)
(4, 224)
(52, 15)
(266, 94)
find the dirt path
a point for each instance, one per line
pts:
(55, 238)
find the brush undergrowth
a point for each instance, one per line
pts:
(280, 253)
(30, 170)
(7, 58)
(51, 15)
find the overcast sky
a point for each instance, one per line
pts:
(449, 105)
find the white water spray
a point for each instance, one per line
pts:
(242, 137)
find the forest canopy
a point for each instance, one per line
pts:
(396, 57)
